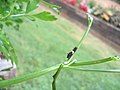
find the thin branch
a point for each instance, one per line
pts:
(28, 76)
(90, 22)
(95, 61)
(94, 70)
(18, 15)
(55, 77)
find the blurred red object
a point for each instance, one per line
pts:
(83, 6)
(72, 2)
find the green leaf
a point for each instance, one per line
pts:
(18, 20)
(32, 5)
(46, 16)
(8, 23)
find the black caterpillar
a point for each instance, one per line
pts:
(69, 55)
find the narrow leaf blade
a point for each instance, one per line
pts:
(46, 16)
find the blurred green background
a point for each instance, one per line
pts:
(42, 44)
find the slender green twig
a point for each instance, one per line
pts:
(19, 15)
(28, 76)
(90, 21)
(79, 63)
(9, 15)
(55, 77)
(94, 70)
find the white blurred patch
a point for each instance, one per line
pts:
(7, 69)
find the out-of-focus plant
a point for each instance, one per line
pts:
(13, 11)
(91, 4)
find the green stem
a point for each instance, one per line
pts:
(95, 61)
(25, 77)
(38, 73)
(18, 15)
(55, 77)
(90, 21)
(94, 70)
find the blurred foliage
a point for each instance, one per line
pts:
(91, 4)
(48, 44)
(6, 47)
(117, 1)
(12, 13)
